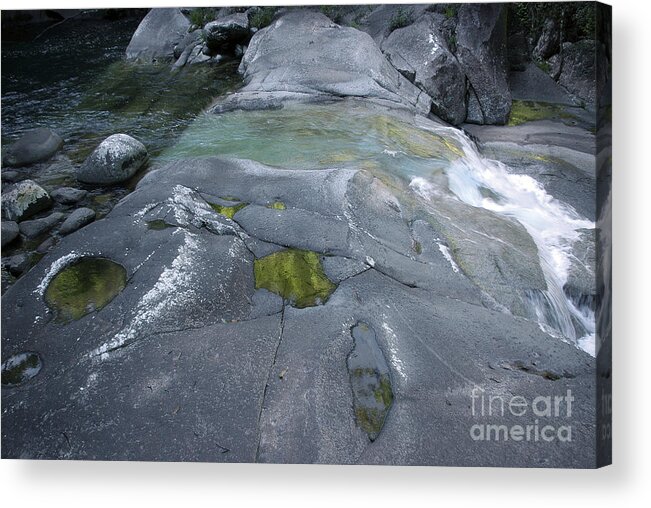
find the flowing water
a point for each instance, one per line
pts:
(75, 81)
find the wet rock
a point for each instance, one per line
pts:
(423, 56)
(10, 176)
(37, 145)
(115, 160)
(17, 264)
(47, 245)
(76, 220)
(37, 227)
(338, 268)
(20, 368)
(304, 56)
(482, 53)
(227, 32)
(68, 195)
(10, 232)
(157, 35)
(581, 278)
(189, 41)
(549, 42)
(24, 199)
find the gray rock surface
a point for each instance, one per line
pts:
(16, 264)
(304, 56)
(580, 74)
(533, 84)
(481, 51)
(227, 32)
(77, 219)
(115, 160)
(24, 199)
(209, 369)
(10, 232)
(37, 145)
(549, 41)
(36, 227)
(68, 195)
(423, 56)
(157, 35)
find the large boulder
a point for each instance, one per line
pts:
(304, 56)
(423, 56)
(482, 53)
(579, 73)
(549, 41)
(24, 199)
(115, 160)
(37, 227)
(37, 145)
(157, 35)
(227, 32)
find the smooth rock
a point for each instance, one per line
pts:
(17, 264)
(548, 43)
(24, 199)
(36, 227)
(423, 56)
(47, 245)
(157, 35)
(481, 51)
(76, 220)
(68, 195)
(115, 160)
(580, 74)
(10, 232)
(37, 145)
(227, 32)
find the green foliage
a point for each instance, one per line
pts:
(402, 18)
(262, 17)
(576, 20)
(450, 11)
(296, 275)
(199, 16)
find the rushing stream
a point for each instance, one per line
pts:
(86, 91)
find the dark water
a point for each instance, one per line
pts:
(74, 80)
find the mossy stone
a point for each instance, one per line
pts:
(277, 205)
(85, 286)
(296, 275)
(228, 211)
(20, 368)
(528, 111)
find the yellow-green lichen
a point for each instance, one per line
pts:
(158, 224)
(228, 211)
(277, 205)
(528, 111)
(87, 285)
(296, 275)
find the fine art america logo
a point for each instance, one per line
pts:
(543, 418)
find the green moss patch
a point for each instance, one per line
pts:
(158, 224)
(277, 205)
(85, 286)
(20, 368)
(228, 211)
(527, 111)
(296, 275)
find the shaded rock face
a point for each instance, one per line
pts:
(225, 33)
(549, 42)
(24, 199)
(189, 338)
(115, 160)
(579, 72)
(420, 54)
(482, 53)
(37, 227)
(34, 146)
(157, 35)
(304, 56)
(10, 232)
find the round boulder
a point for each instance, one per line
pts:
(35, 146)
(24, 199)
(115, 160)
(228, 31)
(10, 232)
(77, 219)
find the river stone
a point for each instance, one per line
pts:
(77, 219)
(194, 366)
(482, 53)
(158, 34)
(9, 232)
(36, 227)
(423, 56)
(227, 32)
(115, 160)
(580, 74)
(304, 56)
(37, 145)
(24, 199)
(16, 264)
(68, 195)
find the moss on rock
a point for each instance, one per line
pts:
(228, 211)
(296, 275)
(85, 286)
(527, 111)
(20, 368)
